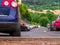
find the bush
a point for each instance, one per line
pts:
(44, 21)
(42, 15)
(23, 9)
(51, 16)
(24, 12)
(35, 18)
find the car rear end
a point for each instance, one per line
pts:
(57, 24)
(9, 18)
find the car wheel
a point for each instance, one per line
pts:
(16, 32)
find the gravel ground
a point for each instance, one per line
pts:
(31, 41)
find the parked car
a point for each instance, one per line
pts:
(55, 25)
(9, 18)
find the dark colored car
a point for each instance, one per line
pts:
(9, 18)
(55, 25)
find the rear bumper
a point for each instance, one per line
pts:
(8, 26)
(56, 28)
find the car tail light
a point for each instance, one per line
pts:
(10, 3)
(14, 4)
(5, 3)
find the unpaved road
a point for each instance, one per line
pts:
(57, 12)
(37, 32)
(40, 32)
(37, 36)
(29, 41)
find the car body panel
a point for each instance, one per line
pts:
(12, 13)
(9, 19)
(56, 24)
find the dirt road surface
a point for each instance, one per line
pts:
(29, 41)
(33, 37)
(57, 12)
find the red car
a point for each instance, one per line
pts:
(55, 25)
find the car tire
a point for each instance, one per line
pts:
(16, 32)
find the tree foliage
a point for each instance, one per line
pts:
(44, 21)
(43, 4)
(37, 18)
(24, 12)
(41, 18)
(51, 16)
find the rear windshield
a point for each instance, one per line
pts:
(4, 10)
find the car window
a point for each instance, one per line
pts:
(4, 10)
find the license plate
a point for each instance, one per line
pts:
(3, 15)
